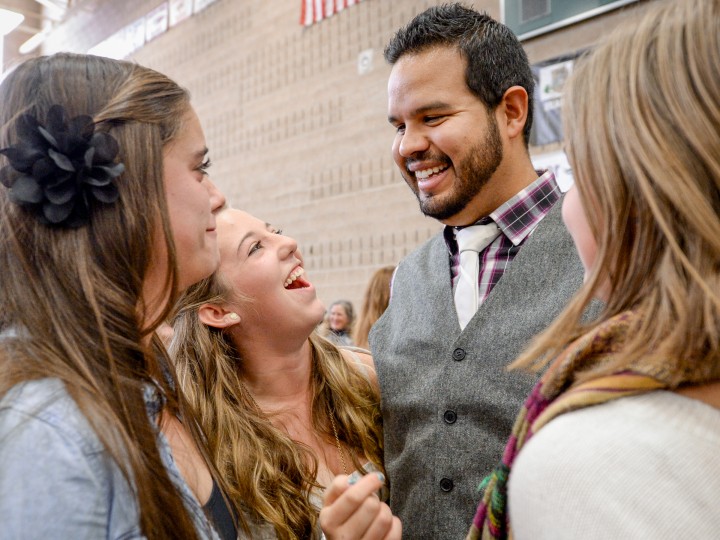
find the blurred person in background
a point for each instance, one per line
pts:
(339, 323)
(375, 302)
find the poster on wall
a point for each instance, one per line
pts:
(132, 37)
(550, 77)
(156, 22)
(552, 81)
(179, 10)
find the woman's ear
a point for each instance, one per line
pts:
(217, 316)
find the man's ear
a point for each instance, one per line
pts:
(217, 316)
(515, 109)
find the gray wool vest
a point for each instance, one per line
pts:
(448, 403)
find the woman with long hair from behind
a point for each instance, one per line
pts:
(106, 213)
(375, 302)
(620, 437)
(284, 409)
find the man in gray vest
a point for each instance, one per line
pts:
(465, 303)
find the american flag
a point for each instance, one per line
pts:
(313, 11)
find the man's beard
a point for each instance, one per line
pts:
(471, 175)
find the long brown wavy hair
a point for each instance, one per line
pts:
(269, 475)
(375, 302)
(642, 124)
(77, 293)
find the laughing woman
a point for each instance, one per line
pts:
(285, 410)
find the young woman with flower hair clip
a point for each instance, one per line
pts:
(620, 437)
(106, 213)
(284, 409)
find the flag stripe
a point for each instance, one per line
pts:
(312, 11)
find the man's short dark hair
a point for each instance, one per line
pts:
(495, 58)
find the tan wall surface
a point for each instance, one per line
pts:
(297, 136)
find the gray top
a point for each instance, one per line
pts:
(57, 480)
(448, 403)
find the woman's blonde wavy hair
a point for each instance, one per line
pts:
(77, 294)
(269, 475)
(642, 124)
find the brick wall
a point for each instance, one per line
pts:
(297, 136)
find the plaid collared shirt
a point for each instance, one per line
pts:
(517, 219)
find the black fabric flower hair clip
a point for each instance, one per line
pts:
(65, 167)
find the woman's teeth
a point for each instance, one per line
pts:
(293, 276)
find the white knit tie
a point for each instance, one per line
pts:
(471, 241)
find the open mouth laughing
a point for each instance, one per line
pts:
(295, 279)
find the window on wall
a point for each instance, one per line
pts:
(530, 18)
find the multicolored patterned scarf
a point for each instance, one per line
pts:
(554, 395)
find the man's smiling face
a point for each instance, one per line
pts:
(447, 144)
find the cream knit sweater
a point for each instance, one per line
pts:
(644, 467)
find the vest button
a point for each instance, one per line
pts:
(446, 484)
(450, 417)
(458, 354)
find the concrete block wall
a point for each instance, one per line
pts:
(297, 135)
